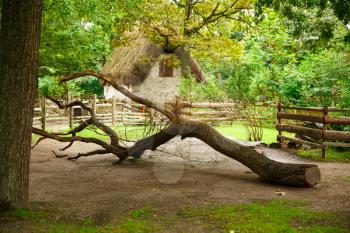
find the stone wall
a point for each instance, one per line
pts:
(155, 88)
(159, 89)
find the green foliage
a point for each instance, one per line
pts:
(191, 90)
(313, 16)
(276, 64)
(49, 86)
(204, 28)
(89, 85)
(322, 79)
(75, 35)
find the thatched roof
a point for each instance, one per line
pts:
(130, 65)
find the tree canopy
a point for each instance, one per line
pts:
(261, 49)
(75, 35)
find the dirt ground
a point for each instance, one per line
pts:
(184, 174)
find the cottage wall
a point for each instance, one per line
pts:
(158, 89)
(109, 92)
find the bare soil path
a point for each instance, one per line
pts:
(197, 175)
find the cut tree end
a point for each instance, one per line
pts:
(312, 175)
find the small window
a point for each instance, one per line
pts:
(165, 68)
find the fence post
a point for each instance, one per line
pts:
(114, 103)
(43, 112)
(324, 121)
(66, 102)
(94, 103)
(70, 110)
(279, 121)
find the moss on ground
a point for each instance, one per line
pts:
(260, 217)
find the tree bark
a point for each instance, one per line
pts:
(189, 66)
(302, 175)
(19, 54)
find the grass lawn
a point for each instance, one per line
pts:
(332, 155)
(126, 133)
(263, 217)
(237, 131)
(240, 132)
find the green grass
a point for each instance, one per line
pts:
(269, 217)
(240, 132)
(39, 221)
(129, 133)
(332, 155)
(237, 131)
(258, 217)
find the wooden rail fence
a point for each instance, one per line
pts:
(110, 112)
(323, 137)
(229, 111)
(114, 112)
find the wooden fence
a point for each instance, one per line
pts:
(109, 112)
(113, 112)
(323, 136)
(226, 112)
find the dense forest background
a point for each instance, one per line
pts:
(298, 52)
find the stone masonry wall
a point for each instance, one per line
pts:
(159, 89)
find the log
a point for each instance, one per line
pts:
(302, 175)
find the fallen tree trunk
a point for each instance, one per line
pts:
(302, 175)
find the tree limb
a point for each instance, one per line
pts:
(304, 175)
(118, 151)
(126, 92)
(95, 152)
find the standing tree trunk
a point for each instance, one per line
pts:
(19, 55)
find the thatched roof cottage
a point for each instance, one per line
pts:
(146, 70)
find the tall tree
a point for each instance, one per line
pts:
(19, 55)
(203, 28)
